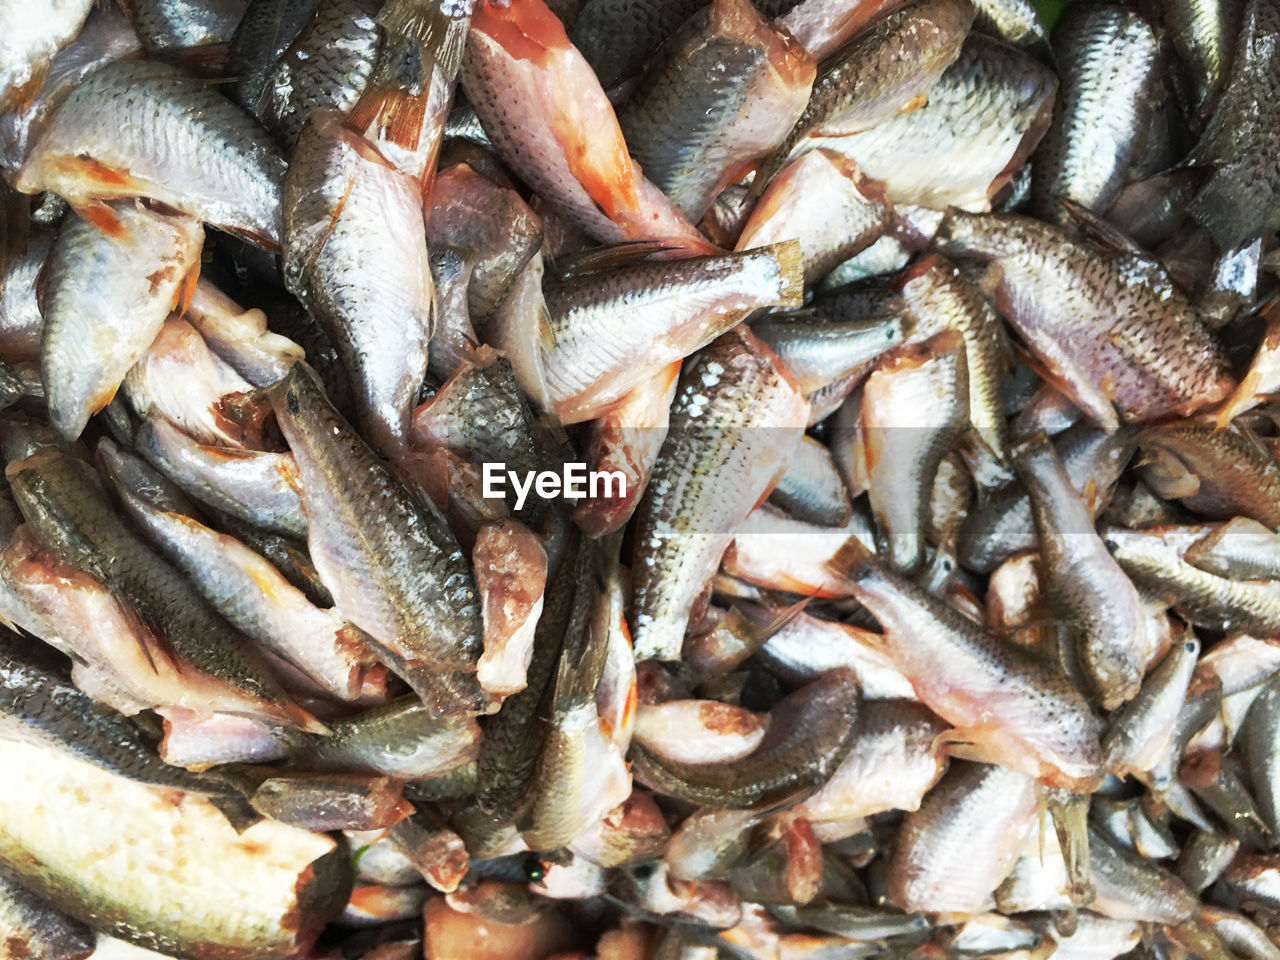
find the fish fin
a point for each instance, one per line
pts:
(852, 555)
(102, 217)
(599, 259)
(396, 114)
(1070, 813)
(1101, 232)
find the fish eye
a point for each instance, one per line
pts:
(643, 872)
(534, 869)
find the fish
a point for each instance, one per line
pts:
(468, 210)
(614, 54)
(920, 630)
(266, 892)
(66, 505)
(811, 489)
(263, 34)
(1237, 203)
(1081, 580)
(112, 139)
(244, 588)
(392, 564)
(182, 380)
(170, 27)
(40, 704)
(1106, 364)
(810, 733)
(1241, 549)
(898, 756)
(239, 336)
(518, 56)
(962, 841)
(325, 68)
(826, 202)
(1189, 461)
(734, 398)
(256, 486)
(108, 293)
(401, 738)
(381, 322)
(628, 439)
(717, 96)
(984, 117)
(1142, 729)
(1107, 59)
(937, 295)
(821, 348)
(888, 70)
(610, 332)
(914, 409)
(1154, 559)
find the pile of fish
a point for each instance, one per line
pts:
(639, 479)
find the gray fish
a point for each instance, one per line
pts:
(810, 732)
(1241, 199)
(1241, 549)
(736, 418)
(142, 128)
(983, 118)
(960, 845)
(888, 70)
(39, 703)
(820, 349)
(1204, 33)
(1107, 56)
(326, 67)
(165, 26)
(243, 587)
(1003, 525)
(717, 97)
(1082, 581)
(108, 288)
(258, 487)
(264, 33)
(63, 500)
(355, 254)
(392, 564)
(1110, 329)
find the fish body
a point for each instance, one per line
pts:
(734, 422)
(264, 893)
(143, 128)
(1107, 56)
(1012, 706)
(984, 117)
(107, 298)
(392, 564)
(1082, 581)
(609, 332)
(326, 67)
(1110, 329)
(718, 95)
(888, 70)
(341, 203)
(64, 502)
(518, 73)
(1241, 199)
